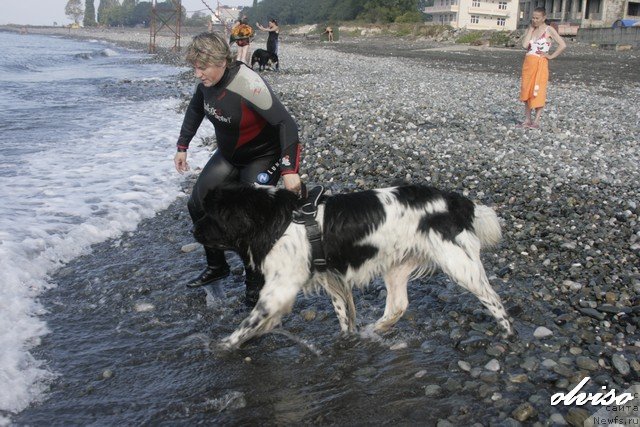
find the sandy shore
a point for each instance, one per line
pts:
(372, 111)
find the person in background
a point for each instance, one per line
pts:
(329, 32)
(241, 34)
(257, 140)
(535, 69)
(274, 31)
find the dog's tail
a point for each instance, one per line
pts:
(486, 226)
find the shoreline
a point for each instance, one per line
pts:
(567, 196)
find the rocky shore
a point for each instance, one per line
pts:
(372, 111)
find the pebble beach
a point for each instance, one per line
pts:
(372, 111)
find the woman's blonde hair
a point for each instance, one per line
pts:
(209, 49)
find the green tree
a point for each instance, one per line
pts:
(142, 13)
(126, 11)
(315, 11)
(73, 10)
(89, 14)
(109, 12)
(387, 10)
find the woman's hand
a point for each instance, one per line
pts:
(292, 182)
(180, 161)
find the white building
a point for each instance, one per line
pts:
(476, 14)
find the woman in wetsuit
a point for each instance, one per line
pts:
(274, 31)
(257, 139)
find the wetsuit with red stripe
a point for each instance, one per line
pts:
(249, 120)
(257, 138)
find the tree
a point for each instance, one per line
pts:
(109, 12)
(126, 11)
(198, 19)
(73, 10)
(141, 13)
(89, 14)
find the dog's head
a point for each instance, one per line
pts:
(273, 63)
(239, 216)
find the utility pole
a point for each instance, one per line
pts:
(165, 16)
(218, 15)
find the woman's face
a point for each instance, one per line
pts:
(209, 74)
(537, 19)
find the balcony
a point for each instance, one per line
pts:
(482, 27)
(493, 11)
(452, 8)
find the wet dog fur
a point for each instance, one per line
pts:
(399, 233)
(264, 59)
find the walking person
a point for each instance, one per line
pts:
(537, 41)
(274, 31)
(256, 136)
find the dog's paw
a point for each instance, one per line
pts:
(226, 345)
(510, 336)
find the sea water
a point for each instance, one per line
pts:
(88, 134)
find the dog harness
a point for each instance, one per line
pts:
(306, 215)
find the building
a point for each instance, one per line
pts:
(499, 15)
(582, 13)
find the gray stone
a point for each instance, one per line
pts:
(523, 412)
(620, 364)
(542, 332)
(433, 390)
(586, 363)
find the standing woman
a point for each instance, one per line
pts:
(242, 33)
(257, 140)
(535, 69)
(274, 31)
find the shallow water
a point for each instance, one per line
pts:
(88, 134)
(132, 346)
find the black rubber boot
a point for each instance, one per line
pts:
(217, 268)
(209, 275)
(254, 282)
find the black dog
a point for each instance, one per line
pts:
(264, 59)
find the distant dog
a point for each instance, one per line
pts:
(264, 59)
(398, 233)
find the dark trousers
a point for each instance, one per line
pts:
(262, 170)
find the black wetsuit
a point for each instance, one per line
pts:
(272, 42)
(257, 138)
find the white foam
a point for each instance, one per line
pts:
(108, 52)
(62, 201)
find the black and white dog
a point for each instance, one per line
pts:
(264, 59)
(398, 233)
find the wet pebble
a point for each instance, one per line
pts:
(576, 417)
(587, 363)
(621, 365)
(433, 390)
(465, 366)
(542, 332)
(190, 247)
(523, 412)
(308, 314)
(493, 365)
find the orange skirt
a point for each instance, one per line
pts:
(535, 76)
